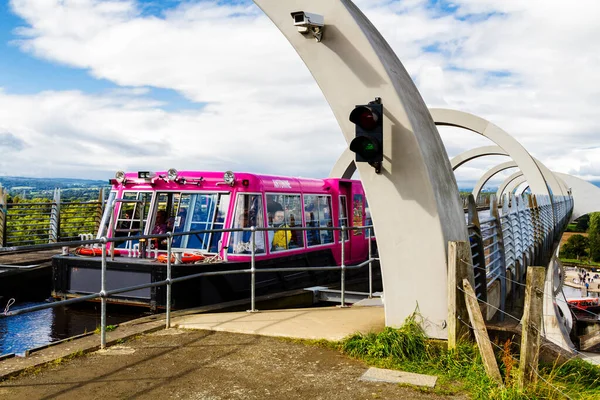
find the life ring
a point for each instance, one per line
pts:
(186, 258)
(93, 251)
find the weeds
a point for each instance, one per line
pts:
(109, 328)
(461, 370)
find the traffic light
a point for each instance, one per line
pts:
(368, 140)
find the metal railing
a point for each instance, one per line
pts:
(29, 223)
(103, 294)
(522, 231)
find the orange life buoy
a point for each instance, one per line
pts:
(185, 258)
(94, 251)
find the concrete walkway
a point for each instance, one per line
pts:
(331, 323)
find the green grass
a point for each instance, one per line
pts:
(583, 262)
(461, 371)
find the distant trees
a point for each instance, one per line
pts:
(583, 223)
(576, 246)
(594, 236)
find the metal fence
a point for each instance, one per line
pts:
(29, 223)
(103, 294)
(520, 232)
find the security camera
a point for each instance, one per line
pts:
(309, 23)
(306, 19)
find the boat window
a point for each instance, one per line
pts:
(248, 212)
(284, 210)
(368, 220)
(357, 214)
(199, 212)
(317, 213)
(133, 216)
(344, 216)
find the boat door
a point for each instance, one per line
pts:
(351, 213)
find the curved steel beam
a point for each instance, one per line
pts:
(477, 152)
(490, 174)
(512, 186)
(558, 188)
(586, 197)
(515, 150)
(502, 188)
(416, 195)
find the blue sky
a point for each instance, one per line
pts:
(93, 86)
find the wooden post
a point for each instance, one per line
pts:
(532, 324)
(458, 269)
(483, 340)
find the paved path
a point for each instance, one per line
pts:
(202, 364)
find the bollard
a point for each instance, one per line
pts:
(103, 297)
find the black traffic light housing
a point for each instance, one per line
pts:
(368, 140)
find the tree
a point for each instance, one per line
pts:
(575, 247)
(594, 236)
(583, 223)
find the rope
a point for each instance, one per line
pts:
(539, 291)
(582, 355)
(8, 304)
(511, 356)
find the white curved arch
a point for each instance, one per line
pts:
(586, 197)
(514, 185)
(506, 142)
(476, 153)
(557, 186)
(503, 187)
(489, 174)
(353, 64)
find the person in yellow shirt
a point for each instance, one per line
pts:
(281, 238)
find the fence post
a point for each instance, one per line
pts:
(99, 209)
(54, 234)
(252, 270)
(169, 285)
(532, 322)
(343, 267)
(458, 269)
(480, 275)
(103, 297)
(483, 340)
(370, 264)
(3, 213)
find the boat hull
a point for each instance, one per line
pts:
(74, 276)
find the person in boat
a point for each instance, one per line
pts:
(160, 223)
(242, 240)
(312, 235)
(281, 237)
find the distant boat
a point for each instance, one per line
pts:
(585, 304)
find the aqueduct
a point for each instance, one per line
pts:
(414, 202)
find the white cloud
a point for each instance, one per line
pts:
(529, 67)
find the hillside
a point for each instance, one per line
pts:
(29, 188)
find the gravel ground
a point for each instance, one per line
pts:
(182, 364)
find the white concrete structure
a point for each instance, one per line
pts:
(353, 65)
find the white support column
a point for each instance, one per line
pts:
(414, 201)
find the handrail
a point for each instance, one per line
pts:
(103, 294)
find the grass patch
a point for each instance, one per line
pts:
(461, 371)
(109, 328)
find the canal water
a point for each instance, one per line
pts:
(30, 330)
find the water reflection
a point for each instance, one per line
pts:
(26, 331)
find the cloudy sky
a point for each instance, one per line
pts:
(88, 87)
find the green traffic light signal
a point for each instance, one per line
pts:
(366, 147)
